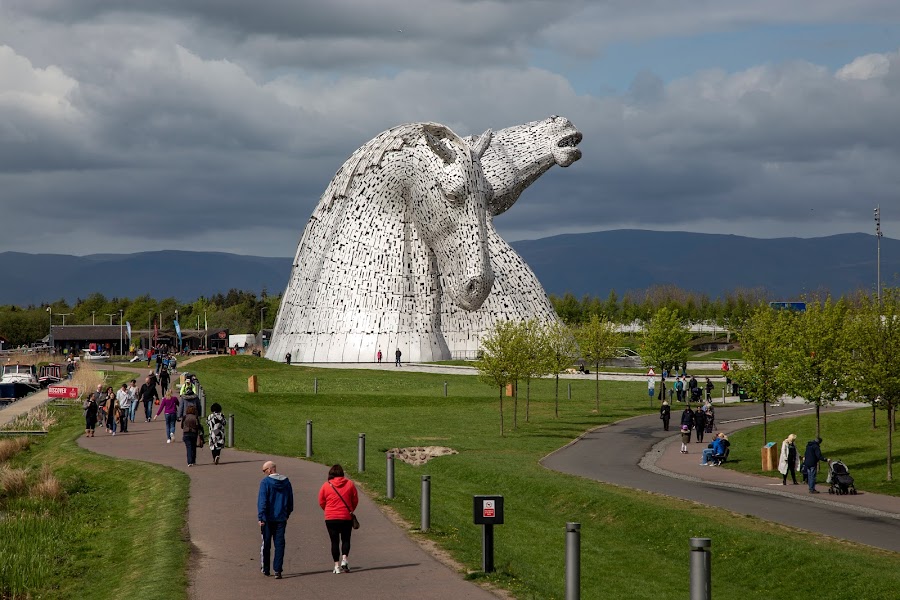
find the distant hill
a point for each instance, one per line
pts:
(588, 263)
(624, 260)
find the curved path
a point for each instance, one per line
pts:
(385, 563)
(637, 453)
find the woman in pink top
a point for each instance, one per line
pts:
(338, 498)
(169, 406)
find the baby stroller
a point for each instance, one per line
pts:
(839, 479)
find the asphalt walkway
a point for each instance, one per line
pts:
(637, 453)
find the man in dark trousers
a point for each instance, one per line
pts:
(147, 395)
(274, 506)
(397, 356)
(811, 459)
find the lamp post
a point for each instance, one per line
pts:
(110, 315)
(121, 336)
(261, 311)
(878, 235)
(50, 335)
(64, 315)
(92, 318)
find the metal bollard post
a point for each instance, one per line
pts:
(570, 391)
(445, 389)
(315, 385)
(425, 523)
(701, 579)
(573, 561)
(390, 475)
(361, 454)
(231, 430)
(309, 440)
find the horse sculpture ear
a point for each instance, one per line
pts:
(438, 147)
(482, 144)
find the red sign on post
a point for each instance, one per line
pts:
(62, 391)
(488, 508)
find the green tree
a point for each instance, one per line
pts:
(535, 363)
(813, 363)
(559, 349)
(873, 336)
(763, 346)
(598, 341)
(502, 358)
(665, 343)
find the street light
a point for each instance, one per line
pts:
(64, 315)
(878, 235)
(261, 311)
(92, 318)
(50, 337)
(121, 349)
(110, 315)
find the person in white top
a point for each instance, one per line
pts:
(133, 398)
(124, 407)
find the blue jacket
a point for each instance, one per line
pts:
(813, 455)
(276, 498)
(719, 446)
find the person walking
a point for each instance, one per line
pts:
(91, 408)
(685, 438)
(112, 408)
(397, 356)
(379, 356)
(168, 407)
(274, 505)
(148, 395)
(133, 399)
(338, 498)
(789, 459)
(287, 358)
(188, 398)
(679, 389)
(190, 431)
(164, 379)
(665, 413)
(709, 388)
(699, 424)
(215, 425)
(687, 418)
(124, 407)
(811, 459)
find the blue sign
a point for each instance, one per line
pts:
(795, 306)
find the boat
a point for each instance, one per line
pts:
(50, 374)
(18, 381)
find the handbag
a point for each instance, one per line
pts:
(352, 516)
(200, 440)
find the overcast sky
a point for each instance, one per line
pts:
(130, 125)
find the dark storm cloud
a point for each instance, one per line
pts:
(179, 125)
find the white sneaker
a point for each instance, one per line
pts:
(345, 567)
(168, 440)
(337, 570)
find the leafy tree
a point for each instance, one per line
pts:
(502, 358)
(762, 345)
(873, 336)
(560, 350)
(666, 340)
(598, 342)
(813, 364)
(535, 363)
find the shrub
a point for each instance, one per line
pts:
(48, 486)
(11, 446)
(13, 482)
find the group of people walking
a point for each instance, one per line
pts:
(700, 421)
(789, 461)
(338, 499)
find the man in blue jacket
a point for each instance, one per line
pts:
(811, 459)
(274, 506)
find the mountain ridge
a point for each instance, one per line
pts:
(624, 260)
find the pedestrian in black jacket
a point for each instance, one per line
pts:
(148, 395)
(699, 424)
(665, 413)
(811, 459)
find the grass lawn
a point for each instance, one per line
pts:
(634, 545)
(846, 436)
(104, 539)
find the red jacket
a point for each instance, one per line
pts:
(332, 505)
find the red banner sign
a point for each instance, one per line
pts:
(62, 391)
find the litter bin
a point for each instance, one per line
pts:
(769, 457)
(742, 394)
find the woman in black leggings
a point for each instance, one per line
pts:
(338, 498)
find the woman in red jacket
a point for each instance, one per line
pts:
(338, 498)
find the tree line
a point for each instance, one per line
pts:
(238, 311)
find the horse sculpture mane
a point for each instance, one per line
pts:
(401, 252)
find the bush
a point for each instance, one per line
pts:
(13, 482)
(11, 447)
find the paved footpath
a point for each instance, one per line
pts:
(224, 533)
(637, 453)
